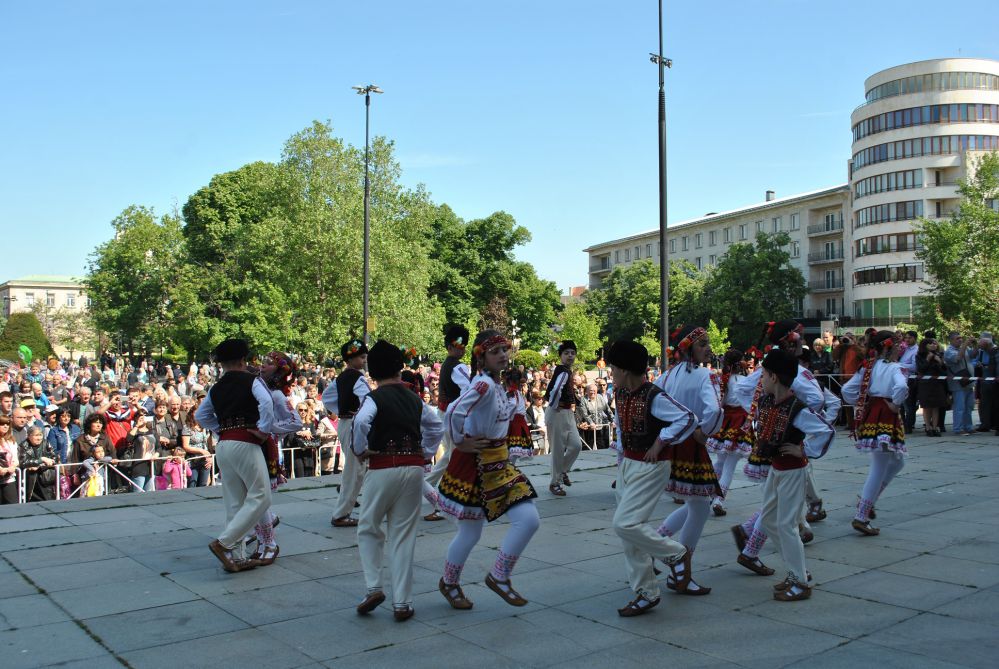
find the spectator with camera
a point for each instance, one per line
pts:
(960, 361)
(37, 461)
(8, 463)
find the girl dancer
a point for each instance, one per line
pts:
(518, 441)
(692, 477)
(735, 439)
(877, 391)
(480, 484)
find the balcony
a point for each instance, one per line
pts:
(826, 285)
(826, 228)
(819, 257)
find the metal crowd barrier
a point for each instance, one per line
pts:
(600, 427)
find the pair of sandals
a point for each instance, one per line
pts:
(455, 596)
(557, 490)
(790, 590)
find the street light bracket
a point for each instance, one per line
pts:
(654, 57)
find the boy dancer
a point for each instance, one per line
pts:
(649, 423)
(396, 433)
(788, 433)
(343, 397)
(560, 418)
(692, 476)
(454, 379)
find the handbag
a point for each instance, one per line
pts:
(47, 476)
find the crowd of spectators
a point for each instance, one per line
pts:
(118, 426)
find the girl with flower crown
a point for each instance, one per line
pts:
(480, 483)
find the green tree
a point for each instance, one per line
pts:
(528, 358)
(23, 328)
(753, 284)
(718, 338)
(579, 325)
(960, 254)
(131, 278)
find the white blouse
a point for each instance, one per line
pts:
(482, 410)
(887, 381)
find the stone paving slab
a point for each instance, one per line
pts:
(127, 581)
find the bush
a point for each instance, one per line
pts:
(24, 328)
(528, 358)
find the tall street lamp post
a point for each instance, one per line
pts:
(366, 91)
(663, 63)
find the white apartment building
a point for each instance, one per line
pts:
(55, 292)
(913, 138)
(813, 221)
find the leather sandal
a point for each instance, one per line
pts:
(505, 590)
(718, 510)
(806, 535)
(454, 595)
(739, 534)
(872, 515)
(787, 579)
(402, 615)
(433, 516)
(865, 528)
(370, 602)
(229, 564)
(795, 592)
(346, 521)
(556, 490)
(815, 512)
(681, 584)
(638, 606)
(565, 480)
(754, 565)
(266, 556)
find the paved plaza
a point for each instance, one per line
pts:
(128, 581)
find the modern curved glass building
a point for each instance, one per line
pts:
(911, 142)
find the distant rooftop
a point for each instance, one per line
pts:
(44, 278)
(726, 214)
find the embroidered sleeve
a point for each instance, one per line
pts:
(818, 432)
(851, 391)
(682, 420)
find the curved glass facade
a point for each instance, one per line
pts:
(926, 115)
(888, 274)
(883, 183)
(896, 243)
(885, 213)
(938, 81)
(924, 146)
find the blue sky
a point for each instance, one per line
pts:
(544, 109)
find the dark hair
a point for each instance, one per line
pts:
(64, 412)
(479, 338)
(5, 394)
(924, 343)
(90, 420)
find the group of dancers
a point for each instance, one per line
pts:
(778, 417)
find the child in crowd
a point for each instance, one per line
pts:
(176, 470)
(90, 472)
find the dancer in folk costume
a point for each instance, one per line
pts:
(343, 397)
(877, 391)
(692, 477)
(560, 419)
(454, 379)
(480, 483)
(789, 433)
(278, 373)
(750, 535)
(518, 441)
(240, 409)
(734, 440)
(649, 425)
(396, 433)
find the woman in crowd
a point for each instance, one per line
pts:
(93, 434)
(37, 461)
(8, 463)
(932, 393)
(821, 362)
(196, 442)
(145, 450)
(60, 436)
(329, 445)
(304, 442)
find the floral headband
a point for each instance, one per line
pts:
(694, 335)
(459, 342)
(492, 342)
(792, 336)
(355, 346)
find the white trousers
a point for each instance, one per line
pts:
(246, 490)
(392, 496)
(783, 500)
(639, 487)
(353, 471)
(564, 441)
(437, 471)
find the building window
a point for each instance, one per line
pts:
(893, 211)
(727, 235)
(712, 261)
(778, 224)
(71, 300)
(831, 308)
(627, 255)
(799, 307)
(648, 250)
(795, 250)
(90, 302)
(924, 146)
(759, 226)
(795, 222)
(29, 299)
(888, 274)
(638, 253)
(659, 249)
(698, 240)
(684, 243)
(697, 262)
(672, 246)
(743, 232)
(617, 256)
(50, 300)
(712, 238)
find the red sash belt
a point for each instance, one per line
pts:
(386, 461)
(639, 456)
(239, 434)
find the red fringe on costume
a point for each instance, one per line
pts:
(735, 434)
(691, 472)
(880, 428)
(519, 440)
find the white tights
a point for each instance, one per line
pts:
(524, 522)
(725, 469)
(686, 523)
(884, 467)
